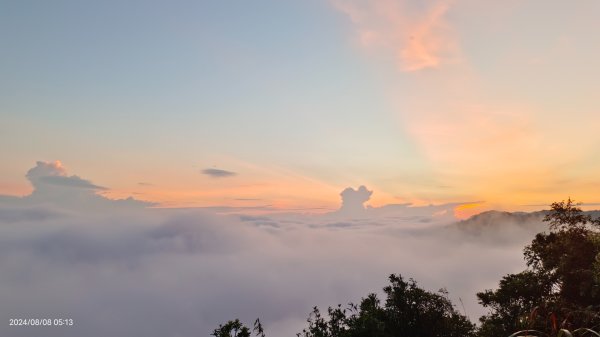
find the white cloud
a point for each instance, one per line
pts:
(54, 174)
(54, 187)
(157, 272)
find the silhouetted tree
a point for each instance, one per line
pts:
(408, 311)
(560, 288)
(235, 328)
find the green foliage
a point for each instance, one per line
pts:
(518, 295)
(408, 311)
(566, 216)
(561, 287)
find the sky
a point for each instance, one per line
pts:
(286, 103)
(171, 165)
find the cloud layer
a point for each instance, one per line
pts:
(156, 272)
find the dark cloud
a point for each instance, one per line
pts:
(218, 173)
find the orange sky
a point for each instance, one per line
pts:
(424, 102)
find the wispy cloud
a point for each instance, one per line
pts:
(218, 173)
(417, 37)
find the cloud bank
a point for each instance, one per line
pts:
(158, 272)
(53, 173)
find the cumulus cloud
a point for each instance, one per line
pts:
(353, 200)
(53, 173)
(218, 173)
(161, 272)
(54, 187)
(353, 209)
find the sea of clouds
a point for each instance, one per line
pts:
(124, 268)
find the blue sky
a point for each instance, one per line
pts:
(431, 101)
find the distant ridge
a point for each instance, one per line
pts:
(500, 226)
(494, 220)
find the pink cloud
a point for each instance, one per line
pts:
(416, 38)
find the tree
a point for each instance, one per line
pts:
(235, 328)
(408, 311)
(561, 286)
(559, 290)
